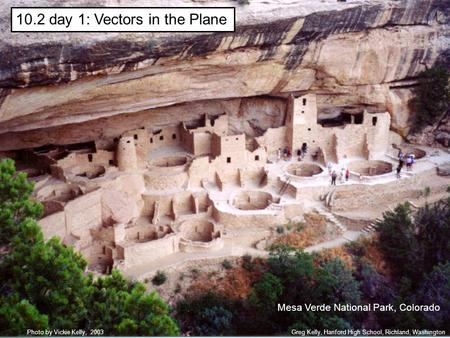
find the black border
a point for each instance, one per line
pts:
(115, 7)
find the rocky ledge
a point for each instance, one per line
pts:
(62, 88)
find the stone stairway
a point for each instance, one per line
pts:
(369, 229)
(330, 217)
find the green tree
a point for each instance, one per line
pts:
(123, 308)
(436, 290)
(345, 288)
(432, 96)
(16, 316)
(43, 284)
(433, 224)
(398, 241)
(49, 275)
(266, 293)
(15, 204)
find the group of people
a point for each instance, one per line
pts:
(344, 175)
(409, 159)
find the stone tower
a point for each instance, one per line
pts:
(126, 154)
(301, 120)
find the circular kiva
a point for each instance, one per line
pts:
(370, 168)
(304, 169)
(252, 200)
(197, 230)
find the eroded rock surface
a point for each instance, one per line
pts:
(63, 88)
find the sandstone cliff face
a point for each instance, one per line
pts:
(62, 88)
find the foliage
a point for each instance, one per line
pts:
(15, 205)
(436, 290)
(208, 314)
(398, 241)
(280, 229)
(214, 321)
(432, 96)
(345, 287)
(247, 262)
(123, 308)
(433, 233)
(16, 316)
(266, 293)
(226, 264)
(159, 279)
(43, 284)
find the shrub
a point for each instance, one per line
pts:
(280, 229)
(247, 262)
(159, 279)
(226, 264)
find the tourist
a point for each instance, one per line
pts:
(401, 158)
(342, 175)
(399, 169)
(413, 159)
(304, 148)
(409, 161)
(333, 177)
(315, 156)
(329, 167)
(347, 174)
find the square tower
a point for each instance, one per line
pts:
(301, 120)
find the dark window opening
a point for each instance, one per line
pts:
(128, 141)
(237, 138)
(304, 145)
(90, 157)
(347, 118)
(304, 102)
(135, 136)
(314, 141)
(374, 121)
(309, 129)
(111, 162)
(116, 140)
(303, 111)
(174, 136)
(228, 159)
(161, 137)
(359, 119)
(256, 157)
(151, 139)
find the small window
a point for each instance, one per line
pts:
(304, 102)
(111, 162)
(256, 157)
(174, 136)
(161, 138)
(135, 136)
(116, 140)
(128, 141)
(374, 121)
(228, 159)
(151, 139)
(237, 138)
(303, 111)
(90, 157)
(309, 129)
(359, 118)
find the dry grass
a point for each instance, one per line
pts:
(340, 252)
(234, 283)
(313, 231)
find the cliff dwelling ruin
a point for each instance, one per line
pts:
(151, 196)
